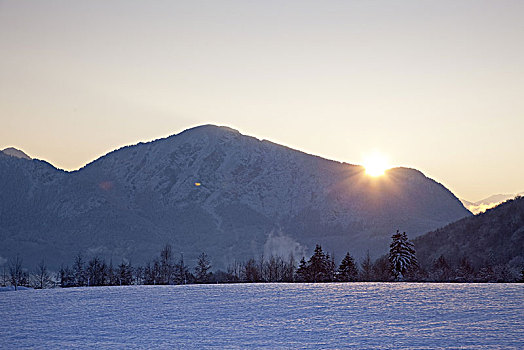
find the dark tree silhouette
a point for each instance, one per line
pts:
(202, 269)
(441, 269)
(124, 274)
(17, 276)
(347, 271)
(251, 271)
(80, 278)
(366, 273)
(97, 272)
(41, 277)
(181, 272)
(318, 266)
(302, 273)
(465, 272)
(167, 268)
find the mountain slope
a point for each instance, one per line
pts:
(495, 237)
(13, 152)
(253, 197)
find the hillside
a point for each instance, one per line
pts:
(211, 189)
(495, 237)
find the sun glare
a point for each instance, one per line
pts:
(376, 164)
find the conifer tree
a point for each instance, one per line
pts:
(302, 273)
(401, 255)
(347, 271)
(318, 266)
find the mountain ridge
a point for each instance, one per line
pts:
(15, 152)
(489, 239)
(254, 195)
(488, 202)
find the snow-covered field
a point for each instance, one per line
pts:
(273, 316)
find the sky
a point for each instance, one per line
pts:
(433, 85)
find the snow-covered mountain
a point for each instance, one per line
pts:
(211, 189)
(489, 202)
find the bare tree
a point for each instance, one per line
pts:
(202, 269)
(41, 277)
(4, 276)
(17, 275)
(167, 268)
(366, 269)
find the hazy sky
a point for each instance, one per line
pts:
(435, 85)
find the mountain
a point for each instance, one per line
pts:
(211, 189)
(495, 237)
(11, 151)
(489, 202)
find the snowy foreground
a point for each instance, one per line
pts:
(273, 316)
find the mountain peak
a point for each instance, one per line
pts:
(210, 128)
(14, 152)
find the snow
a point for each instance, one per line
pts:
(272, 316)
(11, 288)
(130, 202)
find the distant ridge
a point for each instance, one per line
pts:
(489, 202)
(13, 152)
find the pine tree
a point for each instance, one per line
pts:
(302, 273)
(347, 271)
(401, 255)
(318, 265)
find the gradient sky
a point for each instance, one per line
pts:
(435, 85)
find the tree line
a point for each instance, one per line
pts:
(400, 264)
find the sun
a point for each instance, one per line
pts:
(376, 164)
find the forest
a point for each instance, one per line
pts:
(400, 264)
